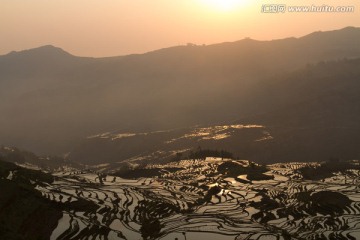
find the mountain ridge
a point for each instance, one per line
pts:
(42, 49)
(352, 30)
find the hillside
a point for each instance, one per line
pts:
(51, 100)
(21, 205)
(32, 161)
(312, 114)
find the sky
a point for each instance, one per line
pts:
(101, 28)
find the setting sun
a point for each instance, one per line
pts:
(223, 5)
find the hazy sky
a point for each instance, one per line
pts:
(117, 27)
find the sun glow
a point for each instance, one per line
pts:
(224, 5)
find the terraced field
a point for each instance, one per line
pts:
(201, 200)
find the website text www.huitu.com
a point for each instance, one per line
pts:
(282, 8)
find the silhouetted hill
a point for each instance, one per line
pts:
(43, 61)
(51, 100)
(47, 51)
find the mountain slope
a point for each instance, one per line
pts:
(50, 100)
(313, 115)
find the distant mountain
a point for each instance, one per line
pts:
(51, 100)
(313, 115)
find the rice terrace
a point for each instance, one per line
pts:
(210, 198)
